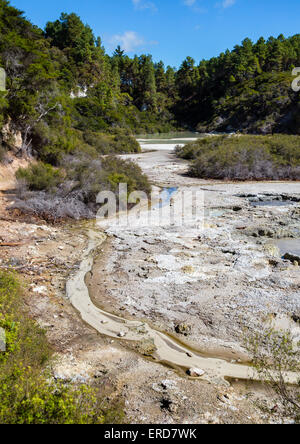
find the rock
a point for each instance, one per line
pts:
(146, 347)
(100, 373)
(12, 138)
(195, 372)
(272, 250)
(292, 258)
(183, 329)
(40, 290)
(228, 251)
(167, 384)
(296, 213)
(262, 231)
(188, 269)
(122, 334)
(15, 262)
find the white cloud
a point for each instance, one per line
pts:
(194, 5)
(130, 41)
(228, 3)
(144, 4)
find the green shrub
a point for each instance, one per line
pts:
(27, 397)
(124, 171)
(244, 157)
(125, 144)
(94, 175)
(25, 341)
(116, 142)
(9, 295)
(53, 144)
(40, 176)
(28, 394)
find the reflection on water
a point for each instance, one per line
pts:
(170, 140)
(272, 203)
(289, 246)
(169, 136)
(165, 196)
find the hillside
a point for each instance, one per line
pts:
(247, 89)
(65, 92)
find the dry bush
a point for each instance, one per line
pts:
(75, 195)
(274, 355)
(52, 208)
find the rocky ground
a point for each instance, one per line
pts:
(203, 287)
(214, 282)
(206, 287)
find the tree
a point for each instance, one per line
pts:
(118, 53)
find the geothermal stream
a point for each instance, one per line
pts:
(166, 350)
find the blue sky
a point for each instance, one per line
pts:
(172, 29)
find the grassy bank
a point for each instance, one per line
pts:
(244, 157)
(28, 394)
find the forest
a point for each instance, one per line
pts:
(69, 103)
(64, 90)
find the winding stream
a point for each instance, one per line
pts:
(167, 350)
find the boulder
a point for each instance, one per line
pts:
(183, 329)
(12, 137)
(195, 372)
(292, 258)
